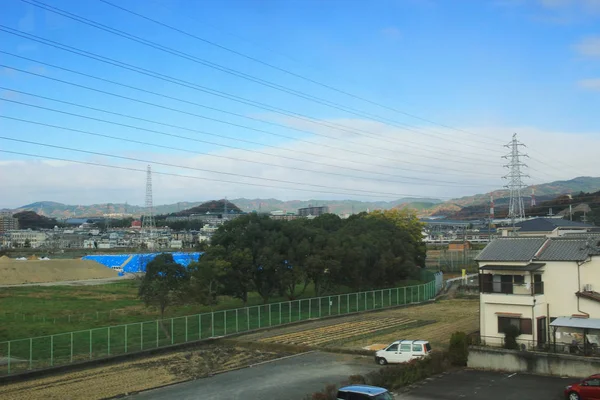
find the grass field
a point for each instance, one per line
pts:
(38, 311)
(78, 345)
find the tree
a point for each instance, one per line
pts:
(206, 277)
(164, 284)
(407, 221)
(27, 243)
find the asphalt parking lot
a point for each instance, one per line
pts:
(477, 385)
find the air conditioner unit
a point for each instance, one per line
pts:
(587, 288)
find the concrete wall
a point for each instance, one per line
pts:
(531, 362)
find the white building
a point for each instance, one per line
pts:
(33, 239)
(547, 287)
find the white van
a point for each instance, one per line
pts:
(403, 351)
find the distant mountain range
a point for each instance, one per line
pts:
(424, 207)
(62, 211)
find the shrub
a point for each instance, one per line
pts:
(511, 333)
(458, 351)
(356, 380)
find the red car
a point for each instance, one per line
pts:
(587, 389)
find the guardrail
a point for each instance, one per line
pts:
(49, 351)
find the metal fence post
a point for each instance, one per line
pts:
(212, 324)
(248, 317)
(172, 332)
(141, 336)
(418, 293)
(309, 308)
(71, 346)
(329, 300)
(91, 344)
(404, 295)
(269, 314)
(280, 314)
(290, 311)
(320, 301)
(30, 353)
(366, 305)
(397, 296)
(347, 304)
(339, 306)
(259, 317)
(357, 309)
(8, 362)
(199, 326)
(225, 322)
(51, 350)
(125, 338)
(157, 333)
(109, 340)
(237, 329)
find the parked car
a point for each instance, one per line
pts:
(587, 389)
(403, 351)
(364, 392)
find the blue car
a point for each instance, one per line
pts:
(364, 392)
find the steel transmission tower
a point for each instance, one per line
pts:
(148, 225)
(516, 207)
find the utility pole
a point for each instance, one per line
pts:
(516, 207)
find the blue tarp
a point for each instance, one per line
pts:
(138, 262)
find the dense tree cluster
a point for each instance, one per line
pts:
(255, 253)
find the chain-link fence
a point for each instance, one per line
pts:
(47, 351)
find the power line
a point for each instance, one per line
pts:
(281, 69)
(96, 153)
(481, 161)
(212, 134)
(117, 32)
(452, 184)
(218, 120)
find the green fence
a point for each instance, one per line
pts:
(64, 348)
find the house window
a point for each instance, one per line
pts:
(524, 324)
(519, 279)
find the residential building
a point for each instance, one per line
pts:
(8, 222)
(550, 227)
(460, 246)
(547, 287)
(313, 211)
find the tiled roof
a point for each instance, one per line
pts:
(511, 249)
(549, 224)
(562, 249)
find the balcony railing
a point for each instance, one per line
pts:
(512, 288)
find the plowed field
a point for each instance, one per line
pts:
(434, 322)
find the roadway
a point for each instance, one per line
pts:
(290, 378)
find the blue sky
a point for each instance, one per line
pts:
(489, 67)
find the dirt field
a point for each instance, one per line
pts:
(434, 322)
(13, 272)
(113, 380)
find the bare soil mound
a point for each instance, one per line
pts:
(14, 272)
(5, 259)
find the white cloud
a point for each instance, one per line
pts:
(398, 153)
(589, 46)
(590, 84)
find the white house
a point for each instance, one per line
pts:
(547, 287)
